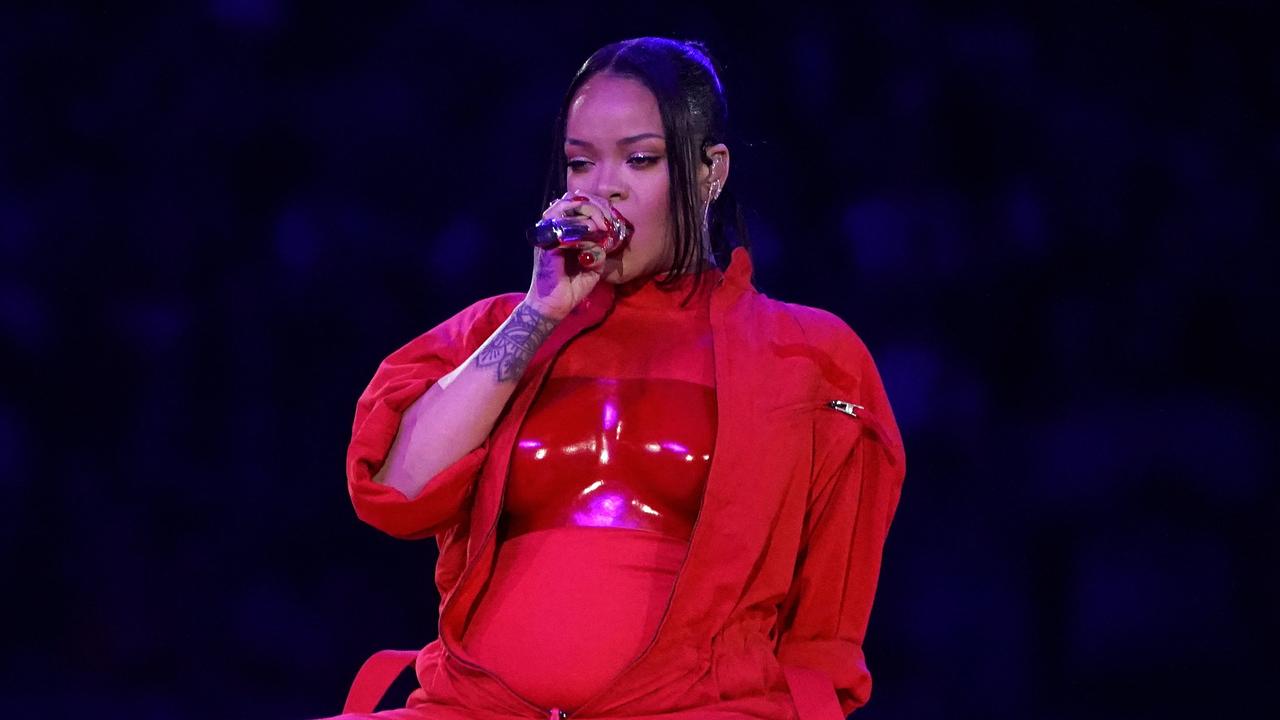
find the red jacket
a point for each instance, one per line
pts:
(778, 584)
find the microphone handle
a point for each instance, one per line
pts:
(555, 232)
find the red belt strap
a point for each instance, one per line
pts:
(813, 693)
(374, 677)
(811, 690)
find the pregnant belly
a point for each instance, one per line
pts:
(567, 609)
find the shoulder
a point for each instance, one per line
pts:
(841, 361)
(820, 328)
(833, 350)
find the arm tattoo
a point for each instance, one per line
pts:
(512, 348)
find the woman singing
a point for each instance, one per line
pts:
(656, 491)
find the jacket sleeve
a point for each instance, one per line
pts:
(859, 467)
(401, 379)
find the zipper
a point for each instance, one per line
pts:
(868, 419)
(556, 713)
(846, 407)
(843, 406)
(553, 713)
(693, 532)
(666, 612)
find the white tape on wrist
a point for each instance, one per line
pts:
(445, 381)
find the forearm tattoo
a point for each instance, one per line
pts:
(510, 351)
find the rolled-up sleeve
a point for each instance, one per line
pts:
(859, 466)
(402, 378)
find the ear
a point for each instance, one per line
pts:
(714, 172)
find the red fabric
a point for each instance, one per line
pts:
(603, 489)
(814, 695)
(374, 677)
(602, 589)
(623, 428)
(783, 562)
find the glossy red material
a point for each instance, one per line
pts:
(615, 453)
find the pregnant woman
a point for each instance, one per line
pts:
(656, 491)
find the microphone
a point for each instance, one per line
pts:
(551, 233)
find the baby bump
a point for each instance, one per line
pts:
(567, 609)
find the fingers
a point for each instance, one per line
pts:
(575, 208)
(590, 257)
(596, 210)
(558, 207)
(587, 255)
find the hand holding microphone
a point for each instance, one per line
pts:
(571, 244)
(553, 232)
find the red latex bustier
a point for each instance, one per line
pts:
(622, 432)
(608, 452)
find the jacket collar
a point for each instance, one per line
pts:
(593, 309)
(740, 271)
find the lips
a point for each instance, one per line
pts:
(623, 231)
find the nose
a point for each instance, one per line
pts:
(610, 184)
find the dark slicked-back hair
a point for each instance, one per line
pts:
(684, 79)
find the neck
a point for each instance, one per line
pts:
(644, 292)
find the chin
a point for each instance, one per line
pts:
(615, 275)
(621, 268)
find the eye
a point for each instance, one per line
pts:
(643, 160)
(577, 165)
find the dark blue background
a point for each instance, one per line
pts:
(1053, 227)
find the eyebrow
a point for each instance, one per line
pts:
(624, 141)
